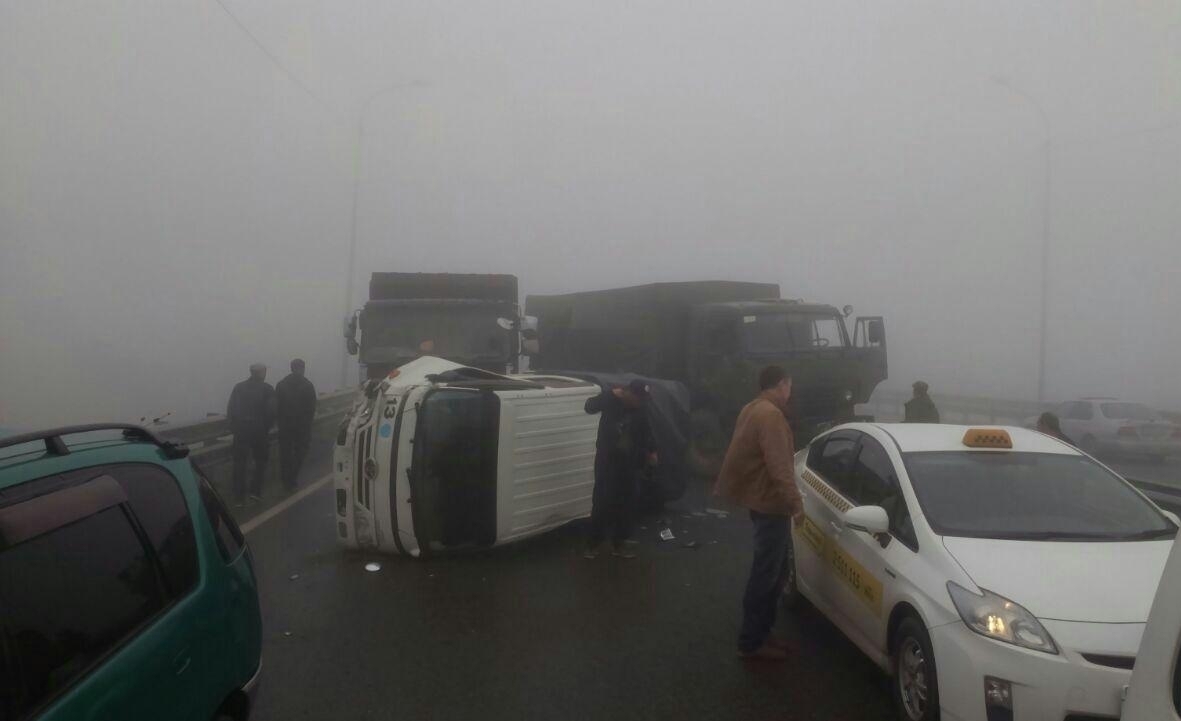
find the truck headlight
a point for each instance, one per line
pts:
(999, 618)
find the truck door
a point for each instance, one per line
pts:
(869, 346)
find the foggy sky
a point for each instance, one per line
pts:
(174, 206)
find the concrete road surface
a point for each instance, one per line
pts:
(534, 631)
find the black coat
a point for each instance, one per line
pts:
(251, 410)
(295, 401)
(625, 437)
(921, 409)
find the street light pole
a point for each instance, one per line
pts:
(352, 257)
(1047, 185)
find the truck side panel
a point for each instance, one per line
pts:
(642, 329)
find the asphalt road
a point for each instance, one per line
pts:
(534, 631)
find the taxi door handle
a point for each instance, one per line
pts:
(182, 662)
(836, 527)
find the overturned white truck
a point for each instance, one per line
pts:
(438, 456)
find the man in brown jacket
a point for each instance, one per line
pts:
(758, 472)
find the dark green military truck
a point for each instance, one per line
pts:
(471, 319)
(715, 336)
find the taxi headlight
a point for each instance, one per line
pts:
(999, 618)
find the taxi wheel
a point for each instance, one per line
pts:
(790, 596)
(916, 686)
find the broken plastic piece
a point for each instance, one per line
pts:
(667, 534)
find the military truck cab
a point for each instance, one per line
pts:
(474, 320)
(730, 342)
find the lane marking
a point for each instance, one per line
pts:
(278, 508)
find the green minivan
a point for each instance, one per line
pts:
(127, 592)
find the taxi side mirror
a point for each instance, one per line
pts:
(867, 519)
(1172, 517)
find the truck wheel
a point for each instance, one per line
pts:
(916, 686)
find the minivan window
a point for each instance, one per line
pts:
(69, 597)
(225, 530)
(1127, 412)
(159, 506)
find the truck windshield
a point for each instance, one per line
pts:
(780, 332)
(455, 332)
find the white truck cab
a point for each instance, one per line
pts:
(1155, 690)
(439, 456)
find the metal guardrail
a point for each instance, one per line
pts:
(888, 405)
(210, 440)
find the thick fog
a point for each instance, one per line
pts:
(176, 181)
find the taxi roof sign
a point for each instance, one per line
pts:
(988, 438)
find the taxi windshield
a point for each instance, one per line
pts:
(1031, 496)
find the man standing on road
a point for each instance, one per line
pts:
(250, 412)
(758, 473)
(625, 445)
(295, 400)
(921, 409)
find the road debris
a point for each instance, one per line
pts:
(690, 544)
(293, 577)
(667, 534)
(373, 567)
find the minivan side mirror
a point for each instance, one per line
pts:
(867, 519)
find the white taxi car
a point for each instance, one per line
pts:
(996, 573)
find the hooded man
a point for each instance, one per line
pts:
(625, 446)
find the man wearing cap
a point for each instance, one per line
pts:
(295, 400)
(758, 473)
(251, 412)
(625, 446)
(1049, 424)
(921, 409)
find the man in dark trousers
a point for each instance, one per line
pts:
(758, 473)
(251, 412)
(625, 446)
(295, 400)
(920, 408)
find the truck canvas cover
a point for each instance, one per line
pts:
(641, 329)
(440, 286)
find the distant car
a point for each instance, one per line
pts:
(1155, 691)
(126, 589)
(1107, 425)
(996, 573)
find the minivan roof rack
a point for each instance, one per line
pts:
(55, 446)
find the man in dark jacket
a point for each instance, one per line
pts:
(625, 446)
(251, 412)
(295, 400)
(1049, 424)
(921, 409)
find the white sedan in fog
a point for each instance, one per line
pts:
(996, 573)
